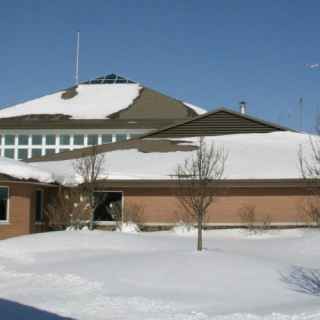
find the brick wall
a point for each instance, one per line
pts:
(281, 205)
(21, 211)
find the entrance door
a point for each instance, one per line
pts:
(108, 206)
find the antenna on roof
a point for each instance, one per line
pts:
(77, 59)
(300, 114)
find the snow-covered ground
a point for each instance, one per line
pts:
(114, 275)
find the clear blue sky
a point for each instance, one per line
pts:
(210, 53)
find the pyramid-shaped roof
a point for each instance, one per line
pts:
(106, 97)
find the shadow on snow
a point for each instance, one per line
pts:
(304, 280)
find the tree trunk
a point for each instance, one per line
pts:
(199, 240)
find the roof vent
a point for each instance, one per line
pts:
(243, 107)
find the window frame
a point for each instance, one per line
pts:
(7, 221)
(105, 222)
(42, 207)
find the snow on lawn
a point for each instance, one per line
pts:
(159, 276)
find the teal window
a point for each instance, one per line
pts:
(9, 140)
(35, 153)
(36, 139)
(65, 139)
(121, 137)
(22, 154)
(23, 140)
(9, 153)
(50, 140)
(4, 196)
(92, 139)
(106, 138)
(78, 139)
(50, 151)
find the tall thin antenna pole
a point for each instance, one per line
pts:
(77, 59)
(301, 114)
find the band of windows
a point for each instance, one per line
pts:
(24, 146)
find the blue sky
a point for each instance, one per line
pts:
(210, 53)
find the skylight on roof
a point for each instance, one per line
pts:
(109, 79)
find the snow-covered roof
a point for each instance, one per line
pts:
(23, 171)
(197, 109)
(100, 98)
(92, 101)
(250, 156)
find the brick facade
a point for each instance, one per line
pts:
(281, 205)
(21, 211)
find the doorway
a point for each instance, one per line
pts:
(108, 206)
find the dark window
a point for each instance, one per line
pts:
(9, 153)
(22, 154)
(23, 140)
(92, 139)
(4, 204)
(36, 152)
(121, 137)
(108, 206)
(36, 139)
(106, 138)
(9, 140)
(78, 139)
(65, 139)
(39, 205)
(50, 140)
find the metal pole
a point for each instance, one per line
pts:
(77, 58)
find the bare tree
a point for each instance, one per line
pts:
(196, 178)
(310, 170)
(90, 168)
(66, 208)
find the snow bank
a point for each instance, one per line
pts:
(250, 156)
(184, 229)
(24, 171)
(92, 102)
(102, 275)
(128, 227)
